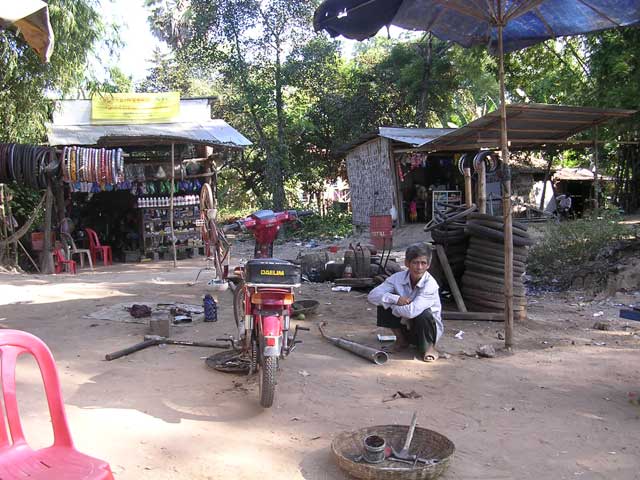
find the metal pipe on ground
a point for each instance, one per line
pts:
(372, 354)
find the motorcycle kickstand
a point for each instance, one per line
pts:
(293, 342)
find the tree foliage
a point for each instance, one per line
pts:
(26, 83)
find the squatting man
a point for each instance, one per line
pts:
(409, 304)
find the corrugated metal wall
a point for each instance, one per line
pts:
(369, 171)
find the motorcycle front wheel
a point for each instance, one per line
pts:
(268, 381)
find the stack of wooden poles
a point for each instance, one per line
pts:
(483, 278)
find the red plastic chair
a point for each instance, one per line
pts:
(62, 263)
(96, 248)
(17, 460)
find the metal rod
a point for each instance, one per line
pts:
(373, 355)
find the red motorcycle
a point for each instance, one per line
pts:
(263, 296)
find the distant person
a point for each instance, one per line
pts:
(409, 304)
(413, 211)
(563, 203)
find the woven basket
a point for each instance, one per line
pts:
(426, 444)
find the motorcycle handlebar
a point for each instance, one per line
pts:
(230, 227)
(305, 213)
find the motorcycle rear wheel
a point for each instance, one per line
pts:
(268, 381)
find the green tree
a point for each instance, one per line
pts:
(26, 84)
(247, 42)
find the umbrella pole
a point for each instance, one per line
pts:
(173, 174)
(506, 204)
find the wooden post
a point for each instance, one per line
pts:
(4, 251)
(46, 261)
(173, 174)
(473, 316)
(468, 191)
(482, 188)
(546, 179)
(506, 199)
(596, 185)
(444, 262)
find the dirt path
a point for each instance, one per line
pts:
(555, 409)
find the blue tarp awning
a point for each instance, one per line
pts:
(462, 21)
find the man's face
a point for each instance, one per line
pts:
(417, 267)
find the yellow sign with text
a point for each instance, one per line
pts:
(272, 273)
(121, 108)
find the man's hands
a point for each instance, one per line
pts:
(403, 301)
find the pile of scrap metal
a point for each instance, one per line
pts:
(360, 266)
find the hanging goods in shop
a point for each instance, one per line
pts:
(93, 169)
(27, 164)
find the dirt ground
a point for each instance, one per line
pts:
(556, 408)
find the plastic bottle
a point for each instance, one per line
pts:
(348, 271)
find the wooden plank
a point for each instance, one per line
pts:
(444, 262)
(474, 316)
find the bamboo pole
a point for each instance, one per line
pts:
(506, 197)
(451, 279)
(11, 229)
(3, 226)
(482, 188)
(468, 191)
(596, 185)
(547, 173)
(46, 262)
(173, 174)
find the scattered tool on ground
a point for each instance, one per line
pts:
(152, 340)
(372, 354)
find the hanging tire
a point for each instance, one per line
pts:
(268, 381)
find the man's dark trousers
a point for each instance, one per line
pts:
(423, 327)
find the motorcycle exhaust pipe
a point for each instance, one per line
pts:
(373, 355)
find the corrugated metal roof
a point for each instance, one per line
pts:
(577, 174)
(211, 132)
(532, 125)
(413, 136)
(410, 136)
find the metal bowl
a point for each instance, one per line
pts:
(305, 307)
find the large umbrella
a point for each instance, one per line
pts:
(502, 25)
(31, 18)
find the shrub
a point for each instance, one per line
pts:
(334, 224)
(568, 245)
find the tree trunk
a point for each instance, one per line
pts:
(427, 54)
(275, 162)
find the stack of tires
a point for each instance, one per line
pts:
(453, 239)
(483, 279)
